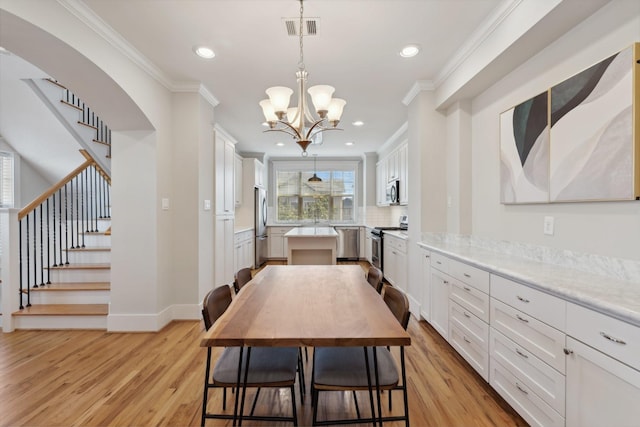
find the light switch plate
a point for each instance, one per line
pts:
(207, 205)
(548, 225)
(165, 204)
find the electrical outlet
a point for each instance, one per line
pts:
(548, 225)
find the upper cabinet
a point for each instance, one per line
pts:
(238, 180)
(392, 167)
(225, 157)
(254, 173)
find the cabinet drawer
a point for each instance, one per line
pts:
(470, 298)
(440, 262)
(542, 306)
(473, 276)
(473, 352)
(530, 407)
(395, 243)
(613, 337)
(539, 338)
(472, 326)
(542, 379)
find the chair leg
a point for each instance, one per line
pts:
(293, 405)
(404, 387)
(314, 398)
(205, 393)
(366, 365)
(255, 400)
(355, 401)
(301, 375)
(224, 398)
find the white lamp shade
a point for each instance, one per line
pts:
(335, 109)
(279, 97)
(321, 96)
(268, 111)
(292, 113)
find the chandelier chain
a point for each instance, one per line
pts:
(301, 63)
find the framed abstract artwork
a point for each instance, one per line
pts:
(595, 148)
(524, 152)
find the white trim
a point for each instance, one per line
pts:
(104, 30)
(197, 87)
(226, 135)
(477, 38)
(186, 311)
(393, 138)
(152, 322)
(418, 86)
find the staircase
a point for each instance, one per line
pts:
(77, 296)
(65, 234)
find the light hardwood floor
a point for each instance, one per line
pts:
(94, 378)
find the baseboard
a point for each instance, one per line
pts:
(152, 322)
(414, 305)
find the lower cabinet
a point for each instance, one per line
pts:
(223, 250)
(440, 303)
(278, 247)
(425, 301)
(469, 335)
(244, 252)
(395, 261)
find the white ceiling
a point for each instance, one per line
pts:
(356, 51)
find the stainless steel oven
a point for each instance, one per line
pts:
(376, 248)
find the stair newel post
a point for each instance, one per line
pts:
(20, 257)
(100, 200)
(66, 224)
(28, 265)
(48, 246)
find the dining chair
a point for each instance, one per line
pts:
(345, 369)
(269, 367)
(374, 277)
(243, 276)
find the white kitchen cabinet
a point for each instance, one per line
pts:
(243, 248)
(278, 248)
(392, 161)
(237, 184)
(223, 250)
(403, 173)
(425, 301)
(601, 391)
(440, 301)
(381, 184)
(254, 173)
(368, 245)
(395, 261)
(224, 161)
(469, 335)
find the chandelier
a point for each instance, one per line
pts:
(299, 122)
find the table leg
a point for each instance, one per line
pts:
(404, 386)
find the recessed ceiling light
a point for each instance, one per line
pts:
(280, 144)
(410, 51)
(358, 123)
(349, 143)
(204, 52)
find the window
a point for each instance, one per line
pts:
(298, 200)
(6, 175)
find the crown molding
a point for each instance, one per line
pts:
(111, 36)
(419, 86)
(477, 38)
(394, 138)
(224, 133)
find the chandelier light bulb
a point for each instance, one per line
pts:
(335, 111)
(268, 111)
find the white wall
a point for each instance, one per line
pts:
(609, 229)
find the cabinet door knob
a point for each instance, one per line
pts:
(615, 340)
(466, 340)
(567, 351)
(467, 275)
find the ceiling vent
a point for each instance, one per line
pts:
(310, 26)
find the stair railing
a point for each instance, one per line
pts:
(58, 220)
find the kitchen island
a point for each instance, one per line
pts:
(312, 246)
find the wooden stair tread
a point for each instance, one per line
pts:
(68, 104)
(90, 249)
(72, 286)
(97, 266)
(64, 310)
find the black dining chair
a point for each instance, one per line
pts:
(269, 367)
(344, 368)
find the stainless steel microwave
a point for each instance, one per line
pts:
(393, 192)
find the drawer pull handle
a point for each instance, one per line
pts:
(466, 288)
(438, 262)
(446, 282)
(521, 389)
(567, 351)
(522, 319)
(610, 338)
(467, 275)
(467, 315)
(466, 339)
(522, 354)
(522, 299)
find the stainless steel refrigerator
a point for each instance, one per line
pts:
(260, 226)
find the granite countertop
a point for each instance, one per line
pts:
(312, 232)
(614, 296)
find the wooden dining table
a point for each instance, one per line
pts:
(300, 305)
